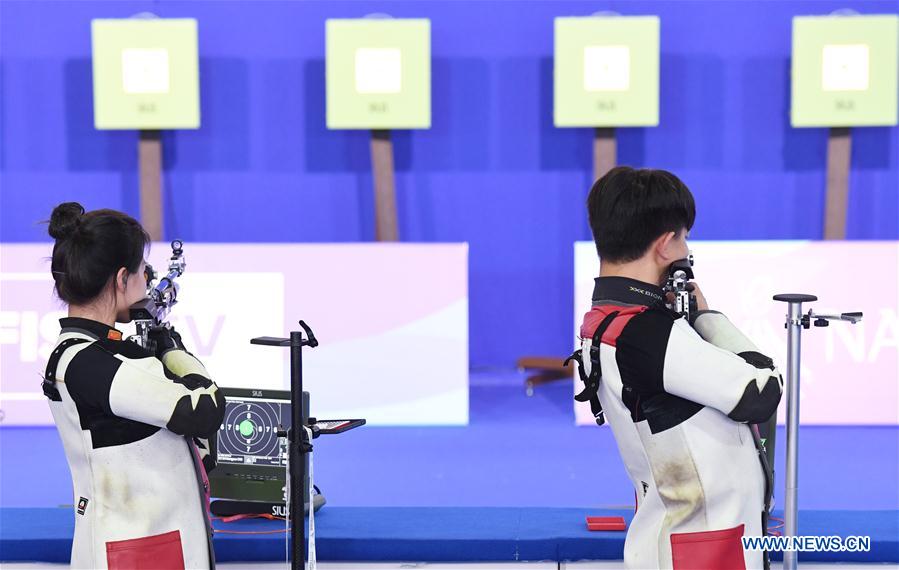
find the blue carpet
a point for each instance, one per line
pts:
(516, 452)
(439, 535)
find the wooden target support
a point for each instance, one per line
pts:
(149, 154)
(605, 151)
(385, 186)
(839, 152)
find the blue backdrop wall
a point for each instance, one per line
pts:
(493, 171)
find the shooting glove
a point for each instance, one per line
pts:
(165, 339)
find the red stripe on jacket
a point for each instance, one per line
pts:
(595, 316)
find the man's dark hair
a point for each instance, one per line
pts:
(629, 209)
(90, 248)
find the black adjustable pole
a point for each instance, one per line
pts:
(298, 444)
(298, 450)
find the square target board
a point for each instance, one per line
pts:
(146, 73)
(606, 71)
(844, 71)
(378, 73)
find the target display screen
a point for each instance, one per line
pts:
(249, 432)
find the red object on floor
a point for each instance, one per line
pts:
(606, 523)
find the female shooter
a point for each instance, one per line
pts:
(128, 417)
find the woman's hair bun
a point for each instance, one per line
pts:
(65, 219)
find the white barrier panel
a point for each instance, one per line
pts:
(850, 373)
(392, 320)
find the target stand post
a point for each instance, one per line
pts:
(605, 151)
(386, 228)
(149, 154)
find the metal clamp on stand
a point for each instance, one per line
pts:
(796, 321)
